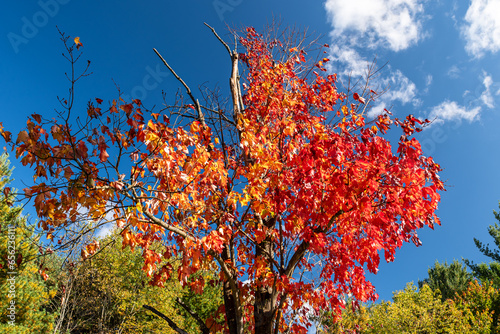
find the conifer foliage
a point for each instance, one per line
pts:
(491, 271)
(449, 279)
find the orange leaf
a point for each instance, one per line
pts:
(103, 155)
(78, 43)
(6, 135)
(22, 137)
(43, 274)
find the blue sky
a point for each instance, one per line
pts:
(443, 64)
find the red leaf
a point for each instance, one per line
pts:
(358, 98)
(103, 155)
(6, 135)
(37, 118)
(6, 192)
(22, 137)
(127, 108)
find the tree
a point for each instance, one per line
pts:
(24, 295)
(108, 291)
(448, 279)
(491, 271)
(479, 304)
(417, 311)
(289, 194)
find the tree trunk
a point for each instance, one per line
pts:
(265, 298)
(263, 310)
(229, 302)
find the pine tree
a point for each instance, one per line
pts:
(24, 293)
(449, 279)
(488, 272)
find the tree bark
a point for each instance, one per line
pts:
(265, 295)
(229, 302)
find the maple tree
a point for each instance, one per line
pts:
(290, 194)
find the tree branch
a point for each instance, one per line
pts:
(203, 327)
(201, 118)
(234, 80)
(304, 246)
(220, 39)
(167, 319)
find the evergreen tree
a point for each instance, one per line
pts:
(448, 279)
(24, 294)
(488, 272)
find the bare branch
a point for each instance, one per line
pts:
(201, 118)
(220, 39)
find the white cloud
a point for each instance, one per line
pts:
(400, 88)
(428, 83)
(350, 61)
(486, 96)
(376, 110)
(350, 65)
(105, 230)
(453, 72)
(395, 24)
(451, 111)
(482, 30)
(428, 80)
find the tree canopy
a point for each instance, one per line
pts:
(420, 311)
(449, 279)
(287, 191)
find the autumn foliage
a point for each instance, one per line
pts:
(290, 194)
